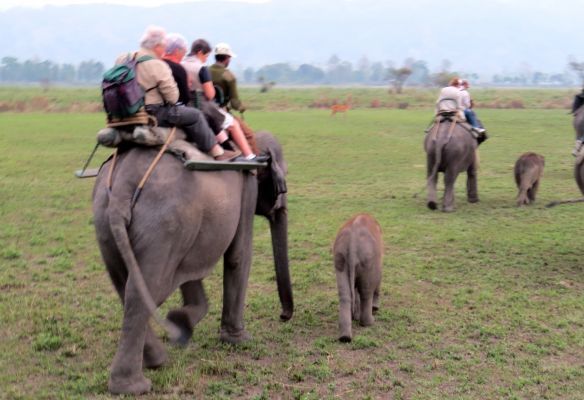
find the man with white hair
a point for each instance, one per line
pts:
(161, 97)
(176, 48)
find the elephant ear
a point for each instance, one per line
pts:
(275, 173)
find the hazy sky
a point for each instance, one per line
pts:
(7, 4)
(485, 36)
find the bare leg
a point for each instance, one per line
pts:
(239, 138)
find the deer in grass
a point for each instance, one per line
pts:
(341, 108)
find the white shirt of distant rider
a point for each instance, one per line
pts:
(465, 98)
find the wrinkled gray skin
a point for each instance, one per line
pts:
(578, 123)
(528, 172)
(358, 253)
(450, 157)
(182, 224)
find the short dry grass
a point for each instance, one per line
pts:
(484, 303)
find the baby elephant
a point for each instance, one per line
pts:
(528, 172)
(358, 253)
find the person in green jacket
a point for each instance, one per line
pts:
(223, 79)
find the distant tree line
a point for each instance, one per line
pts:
(13, 70)
(411, 72)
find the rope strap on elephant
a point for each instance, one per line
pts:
(453, 117)
(152, 166)
(109, 181)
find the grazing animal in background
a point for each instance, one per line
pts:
(358, 254)
(528, 172)
(340, 108)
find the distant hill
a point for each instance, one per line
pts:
(488, 37)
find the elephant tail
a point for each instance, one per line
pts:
(437, 158)
(122, 240)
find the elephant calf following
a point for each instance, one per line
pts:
(358, 253)
(528, 172)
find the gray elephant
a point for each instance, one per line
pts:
(450, 149)
(358, 259)
(182, 224)
(528, 172)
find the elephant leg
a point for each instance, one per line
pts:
(236, 266)
(472, 193)
(154, 352)
(365, 303)
(376, 300)
(449, 179)
(533, 191)
(126, 375)
(154, 355)
(357, 304)
(345, 306)
(366, 317)
(431, 184)
(194, 309)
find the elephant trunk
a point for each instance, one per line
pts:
(279, 230)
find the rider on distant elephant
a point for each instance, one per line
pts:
(452, 100)
(469, 113)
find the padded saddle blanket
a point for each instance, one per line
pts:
(192, 157)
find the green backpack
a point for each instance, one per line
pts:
(122, 95)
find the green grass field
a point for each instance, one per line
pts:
(87, 99)
(483, 303)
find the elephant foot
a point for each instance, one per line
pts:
(133, 386)
(448, 209)
(286, 315)
(346, 338)
(182, 321)
(234, 337)
(155, 356)
(367, 321)
(473, 199)
(432, 205)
